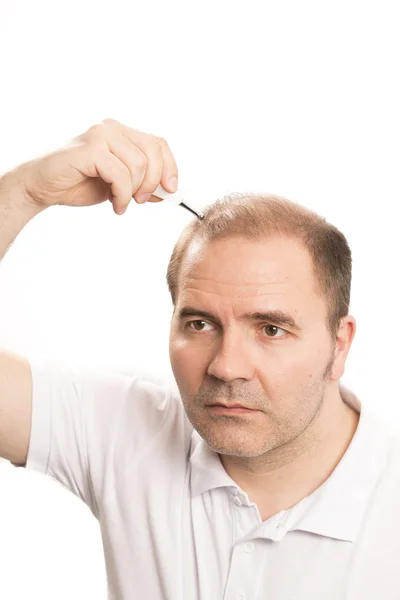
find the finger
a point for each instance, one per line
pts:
(170, 169)
(150, 146)
(132, 157)
(117, 174)
(152, 150)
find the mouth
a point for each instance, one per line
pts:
(232, 409)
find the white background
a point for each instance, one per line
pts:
(300, 99)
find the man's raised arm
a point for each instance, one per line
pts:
(108, 162)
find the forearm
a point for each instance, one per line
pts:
(16, 210)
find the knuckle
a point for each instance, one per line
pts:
(98, 128)
(109, 121)
(141, 161)
(95, 132)
(161, 140)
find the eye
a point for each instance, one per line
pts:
(198, 325)
(272, 330)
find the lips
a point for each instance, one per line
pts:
(231, 405)
(230, 410)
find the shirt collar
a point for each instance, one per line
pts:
(336, 509)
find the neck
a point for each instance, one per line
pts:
(284, 476)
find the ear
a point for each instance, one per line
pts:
(344, 338)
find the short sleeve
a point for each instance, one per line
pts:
(76, 421)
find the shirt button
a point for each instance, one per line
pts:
(240, 596)
(249, 547)
(238, 502)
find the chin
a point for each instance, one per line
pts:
(235, 446)
(238, 452)
(232, 437)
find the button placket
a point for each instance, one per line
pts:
(246, 562)
(245, 568)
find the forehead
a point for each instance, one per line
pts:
(276, 272)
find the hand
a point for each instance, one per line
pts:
(108, 162)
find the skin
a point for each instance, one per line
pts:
(299, 428)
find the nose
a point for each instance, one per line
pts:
(232, 359)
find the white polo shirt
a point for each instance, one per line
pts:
(175, 526)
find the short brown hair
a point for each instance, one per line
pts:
(256, 216)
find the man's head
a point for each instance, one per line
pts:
(261, 289)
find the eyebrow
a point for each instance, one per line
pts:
(276, 317)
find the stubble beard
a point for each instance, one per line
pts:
(235, 436)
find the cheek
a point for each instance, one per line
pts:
(187, 362)
(294, 368)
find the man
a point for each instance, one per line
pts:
(260, 478)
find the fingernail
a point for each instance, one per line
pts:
(143, 198)
(173, 183)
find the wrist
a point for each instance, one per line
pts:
(16, 209)
(13, 193)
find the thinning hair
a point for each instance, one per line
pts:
(257, 216)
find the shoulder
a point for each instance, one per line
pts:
(104, 398)
(143, 405)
